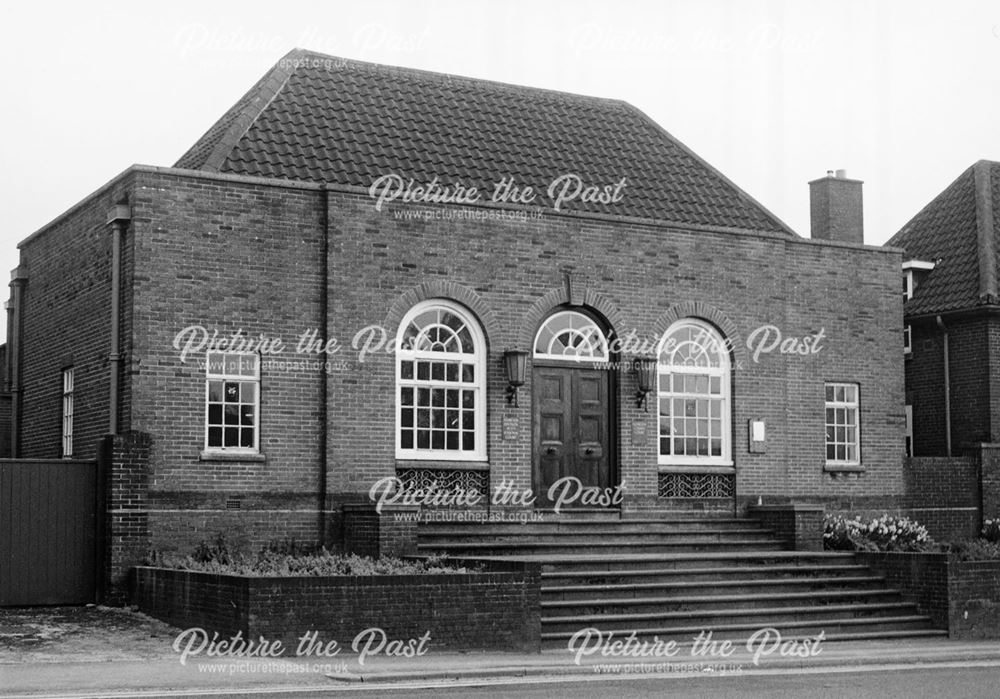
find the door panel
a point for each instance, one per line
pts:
(571, 416)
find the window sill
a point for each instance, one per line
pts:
(836, 467)
(437, 463)
(231, 456)
(695, 468)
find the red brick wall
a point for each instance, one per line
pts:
(943, 495)
(497, 609)
(227, 257)
(961, 596)
(638, 272)
(975, 409)
(66, 321)
(231, 254)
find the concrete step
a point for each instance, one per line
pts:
(585, 540)
(563, 563)
(584, 526)
(759, 617)
(834, 629)
(711, 573)
(719, 586)
(616, 605)
(581, 513)
(679, 545)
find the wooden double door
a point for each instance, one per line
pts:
(572, 408)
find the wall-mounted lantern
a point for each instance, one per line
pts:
(516, 362)
(645, 371)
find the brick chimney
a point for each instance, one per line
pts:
(835, 209)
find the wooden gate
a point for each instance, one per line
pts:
(48, 531)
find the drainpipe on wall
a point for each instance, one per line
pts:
(18, 280)
(9, 307)
(947, 389)
(324, 377)
(118, 219)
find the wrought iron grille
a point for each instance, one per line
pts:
(697, 485)
(449, 479)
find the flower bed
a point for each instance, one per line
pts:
(494, 608)
(885, 533)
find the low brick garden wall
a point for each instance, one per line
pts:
(961, 596)
(497, 609)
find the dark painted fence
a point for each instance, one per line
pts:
(48, 531)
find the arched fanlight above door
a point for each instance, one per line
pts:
(571, 335)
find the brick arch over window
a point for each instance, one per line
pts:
(543, 308)
(444, 290)
(708, 313)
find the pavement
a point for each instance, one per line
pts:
(102, 652)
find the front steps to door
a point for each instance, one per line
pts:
(676, 578)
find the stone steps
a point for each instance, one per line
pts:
(675, 577)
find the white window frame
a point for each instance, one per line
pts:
(478, 385)
(848, 404)
(907, 339)
(251, 360)
(583, 325)
(723, 372)
(907, 284)
(68, 384)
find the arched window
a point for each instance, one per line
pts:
(571, 335)
(440, 384)
(693, 395)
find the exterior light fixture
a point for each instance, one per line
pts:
(516, 362)
(645, 371)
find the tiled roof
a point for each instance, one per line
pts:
(946, 232)
(319, 118)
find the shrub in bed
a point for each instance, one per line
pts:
(885, 533)
(291, 559)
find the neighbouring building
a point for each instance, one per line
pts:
(951, 341)
(952, 327)
(330, 210)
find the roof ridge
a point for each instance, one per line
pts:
(238, 119)
(479, 83)
(267, 88)
(986, 233)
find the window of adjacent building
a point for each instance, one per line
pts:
(842, 427)
(232, 397)
(440, 384)
(571, 335)
(907, 285)
(67, 411)
(909, 430)
(693, 375)
(907, 340)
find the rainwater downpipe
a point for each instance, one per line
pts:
(118, 219)
(947, 388)
(19, 278)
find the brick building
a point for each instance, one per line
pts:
(328, 219)
(952, 330)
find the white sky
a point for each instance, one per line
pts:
(904, 95)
